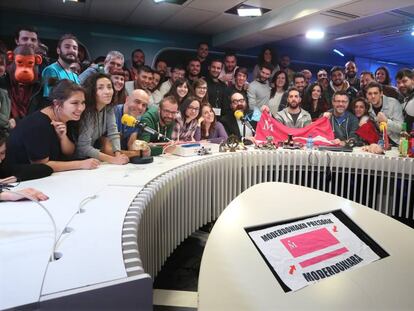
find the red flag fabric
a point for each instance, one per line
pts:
(368, 132)
(320, 129)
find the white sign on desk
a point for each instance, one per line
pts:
(311, 249)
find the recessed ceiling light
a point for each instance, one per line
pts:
(158, 1)
(315, 34)
(248, 11)
(338, 52)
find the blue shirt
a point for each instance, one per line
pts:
(124, 130)
(55, 70)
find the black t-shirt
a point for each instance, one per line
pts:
(294, 117)
(376, 110)
(33, 139)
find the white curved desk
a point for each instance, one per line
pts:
(142, 213)
(233, 275)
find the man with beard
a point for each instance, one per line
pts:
(230, 66)
(193, 70)
(156, 96)
(284, 64)
(351, 74)
(162, 120)
(234, 126)
(385, 109)
(338, 83)
(258, 93)
(322, 77)
(293, 116)
(161, 67)
(138, 60)
(216, 89)
(405, 84)
(344, 124)
(299, 82)
(67, 49)
(308, 77)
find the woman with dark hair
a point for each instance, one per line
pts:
(200, 90)
(99, 137)
(187, 119)
(313, 101)
(267, 56)
(382, 75)
(280, 84)
(118, 80)
(180, 90)
(48, 136)
(367, 130)
(210, 128)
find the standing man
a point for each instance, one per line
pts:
(142, 80)
(284, 64)
(351, 71)
(114, 61)
(338, 83)
(344, 124)
(67, 49)
(27, 35)
(138, 60)
(385, 109)
(405, 84)
(228, 71)
(293, 115)
(258, 93)
(216, 89)
(308, 76)
(202, 55)
(193, 70)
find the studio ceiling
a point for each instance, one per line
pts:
(379, 29)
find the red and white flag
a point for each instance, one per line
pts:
(320, 130)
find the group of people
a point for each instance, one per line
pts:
(60, 116)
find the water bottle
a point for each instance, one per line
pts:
(381, 143)
(309, 143)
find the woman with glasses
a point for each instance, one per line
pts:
(187, 120)
(209, 128)
(200, 90)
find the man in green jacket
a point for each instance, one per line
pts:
(162, 120)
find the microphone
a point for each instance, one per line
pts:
(239, 115)
(130, 121)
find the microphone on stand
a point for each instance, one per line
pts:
(130, 121)
(239, 115)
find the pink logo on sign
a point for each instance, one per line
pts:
(309, 242)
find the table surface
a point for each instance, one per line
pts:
(233, 275)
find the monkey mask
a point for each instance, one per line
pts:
(24, 68)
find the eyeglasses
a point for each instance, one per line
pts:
(193, 108)
(238, 101)
(166, 111)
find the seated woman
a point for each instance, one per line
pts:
(47, 136)
(181, 89)
(313, 101)
(187, 120)
(25, 172)
(367, 130)
(210, 128)
(98, 135)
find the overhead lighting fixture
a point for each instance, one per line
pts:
(249, 11)
(338, 52)
(77, 1)
(315, 34)
(158, 1)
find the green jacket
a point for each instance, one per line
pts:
(152, 119)
(5, 107)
